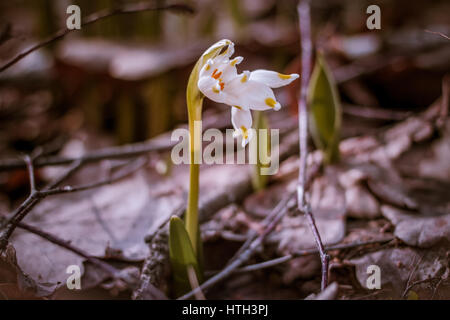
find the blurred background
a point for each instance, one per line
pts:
(123, 78)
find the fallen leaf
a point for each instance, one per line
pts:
(416, 230)
(400, 267)
(15, 284)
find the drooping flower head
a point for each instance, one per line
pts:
(220, 82)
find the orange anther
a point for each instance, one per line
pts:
(216, 75)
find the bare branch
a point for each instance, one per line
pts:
(160, 143)
(303, 206)
(121, 152)
(111, 270)
(283, 259)
(277, 214)
(30, 170)
(66, 245)
(439, 34)
(37, 195)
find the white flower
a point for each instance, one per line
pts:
(220, 82)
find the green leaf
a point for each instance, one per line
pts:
(181, 255)
(325, 111)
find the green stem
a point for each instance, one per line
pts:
(195, 114)
(192, 208)
(194, 100)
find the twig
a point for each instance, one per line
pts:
(111, 270)
(283, 259)
(193, 280)
(66, 245)
(228, 270)
(127, 151)
(160, 143)
(375, 113)
(37, 195)
(303, 206)
(415, 283)
(224, 234)
(411, 275)
(133, 8)
(30, 170)
(68, 189)
(253, 234)
(439, 34)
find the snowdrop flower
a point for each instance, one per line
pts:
(220, 82)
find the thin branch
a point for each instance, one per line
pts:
(30, 170)
(121, 152)
(37, 195)
(247, 254)
(133, 8)
(66, 245)
(411, 275)
(439, 34)
(76, 165)
(111, 270)
(162, 142)
(253, 234)
(193, 280)
(119, 176)
(375, 113)
(301, 253)
(306, 46)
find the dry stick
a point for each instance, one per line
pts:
(303, 206)
(252, 234)
(283, 259)
(160, 143)
(134, 8)
(37, 195)
(443, 35)
(374, 113)
(32, 200)
(111, 270)
(31, 177)
(127, 151)
(278, 215)
(66, 245)
(193, 280)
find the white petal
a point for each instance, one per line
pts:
(229, 69)
(214, 76)
(242, 123)
(249, 94)
(219, 44)
(210, 87)
(273, 79)
(225, 55)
